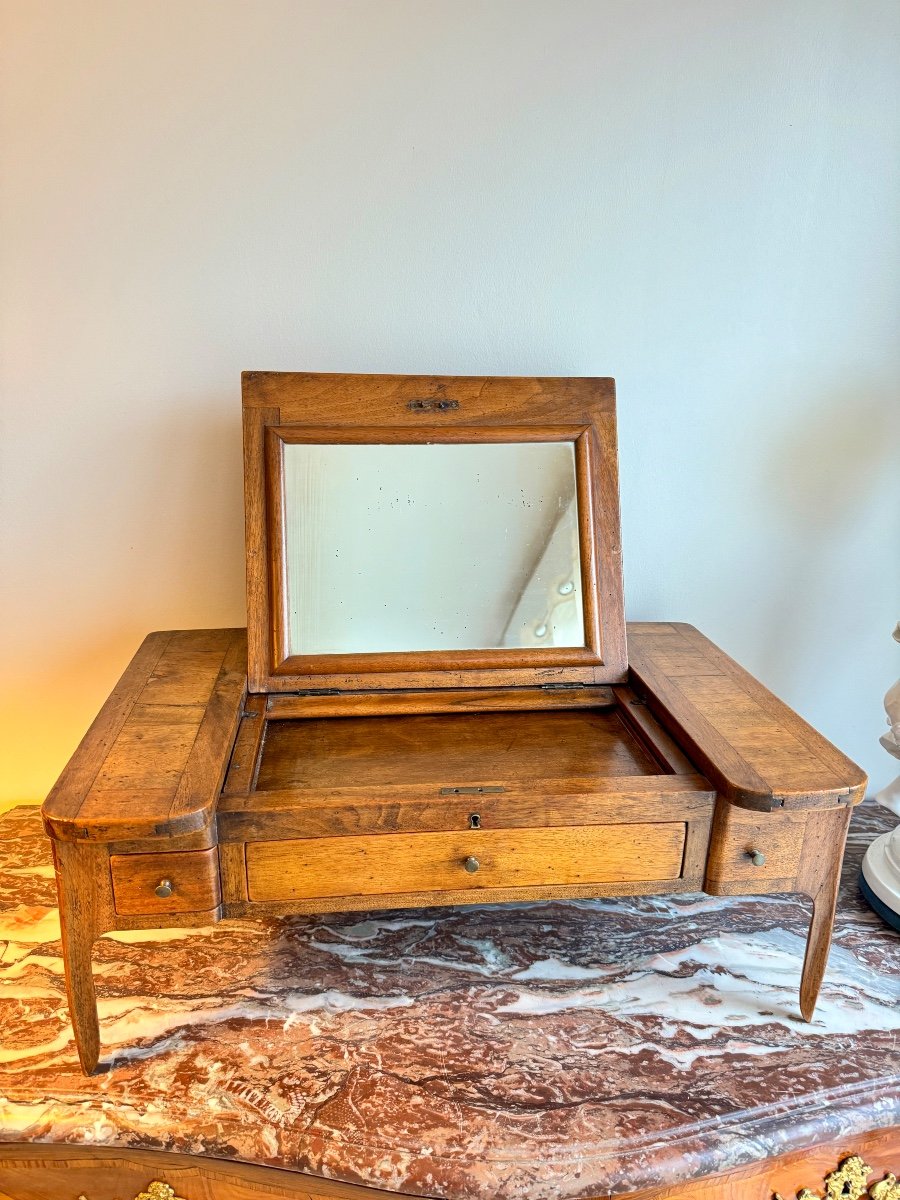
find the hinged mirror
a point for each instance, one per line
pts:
(412, 532)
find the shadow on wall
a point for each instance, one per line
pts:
(824, 479)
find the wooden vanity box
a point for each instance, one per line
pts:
(433, 702)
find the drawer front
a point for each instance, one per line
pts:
(189, 881)
(308, 868)
(754, 852)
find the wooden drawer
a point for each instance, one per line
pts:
(472, 860)
(739, 833)
(192, 875)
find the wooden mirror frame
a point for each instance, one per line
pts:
(282, 408)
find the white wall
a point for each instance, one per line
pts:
(698, 197)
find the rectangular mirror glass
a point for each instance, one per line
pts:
(431, 546)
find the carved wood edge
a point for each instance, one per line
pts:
(131, 813)
(398, 406)
(737, 774)
(849, 1181)
(155, 1191)
(200, 1176)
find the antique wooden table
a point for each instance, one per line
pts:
(434, 701)
(543, 1051)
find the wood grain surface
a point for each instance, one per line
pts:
(737, 834)
(193, 876)
(788, 1174)
(280, 405)
(38, 1172)
(758, 752)
(302, 397)
(388, 863)
(57, 1172)
(437, 700)
(345, 812)
(434, 661)
(153, 762)
(450, 750)
(322, 812)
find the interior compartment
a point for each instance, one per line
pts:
(458, 749)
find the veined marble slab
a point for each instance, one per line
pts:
(547, 1051)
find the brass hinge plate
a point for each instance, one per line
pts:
(471, 791)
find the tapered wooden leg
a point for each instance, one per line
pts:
(82, 880)
(820, 877)
(77, 943)
(818, 943)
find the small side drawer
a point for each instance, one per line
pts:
(190, 877)
(753, 852)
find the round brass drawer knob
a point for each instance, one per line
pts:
(757, 858)
(164, 889)
(471, 864)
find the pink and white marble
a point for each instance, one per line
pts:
(522, 1052)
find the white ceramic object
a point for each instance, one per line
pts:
(880, 879)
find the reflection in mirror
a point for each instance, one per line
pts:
(438, 546)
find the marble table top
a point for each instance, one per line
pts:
(546, 1051)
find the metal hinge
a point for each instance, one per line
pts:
(559, 687)
(439, 403)
(471, 791)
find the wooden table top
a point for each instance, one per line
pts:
(522, 1052)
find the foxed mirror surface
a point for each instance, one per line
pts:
(431, 546)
